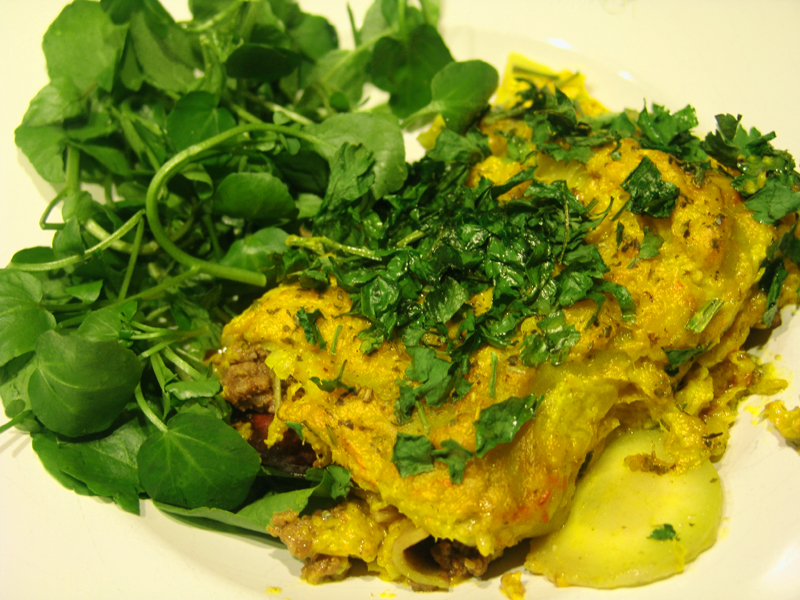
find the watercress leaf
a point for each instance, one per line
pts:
(214, 518)
(405, 67)
(186, 390)
(253, 196)
(499, 423)
(107, 465)
(86, 292)
(163, 50)
(44, 146)
(205, 9)
(46, 446)
(14, 376)
(110, 157)
(262, 62)
(68, 240)
(314, 36)
(334, 481)
(650, 194)
(195, 118)
(340, 73)
(381, 136)
(81, 386)
(257, 251)
(22, 320)
(552, 342)
(459, 93)
(198, 461)
(85, 45)
(773, 201)
(412, 454)
(57, 101)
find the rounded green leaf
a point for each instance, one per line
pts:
(256, 251)
(196, 118)
(81, 386)
(198, 461)
(263, 62)
(257, 196)
(22, 320)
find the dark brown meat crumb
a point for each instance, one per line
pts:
(459, 560)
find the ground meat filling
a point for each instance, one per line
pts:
(290, 455)
(459, 560)
(248, 382)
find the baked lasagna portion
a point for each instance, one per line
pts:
(653, 341)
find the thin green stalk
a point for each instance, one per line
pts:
(137, 243)
(164, 285)
(145, 408)
(16, 420)
(181, 364)
(277, 108)
(174, 166)
(216, 19)
(43, 224)
(79, 258)
(212, 236)
(73, 170)
(318, 245)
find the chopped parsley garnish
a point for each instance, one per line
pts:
(664, 533)
(703, 316)
(308, 321)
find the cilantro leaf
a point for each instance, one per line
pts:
(677, 357)
(664, 533)
(499, 423)
(704, 314)
(412, 454)
(308, 321)
(331, 385)
(455, 456)
(552, 342)
(650, 194)
(773, 201)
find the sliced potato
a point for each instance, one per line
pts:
(630, 527)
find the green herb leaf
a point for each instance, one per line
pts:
(650, 195)
(499, 423)
(552, 342)
(22, 320)
(84, 45)
(455, 456)
(664, 533)
(459, 92)
(198, 461)
(703, 316)
(254, 196)
(678, 357)
(412, 454)
(773, 202)
(308, 321)
(196, 118)
(81, 386)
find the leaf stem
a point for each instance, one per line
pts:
(78, 258)
(318, 244)
(137, 244)
(145, 408)
(173, 166)
(16, 420)
(73, 170)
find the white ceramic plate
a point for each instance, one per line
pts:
(722, 56)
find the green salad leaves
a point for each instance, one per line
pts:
(198, 162)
